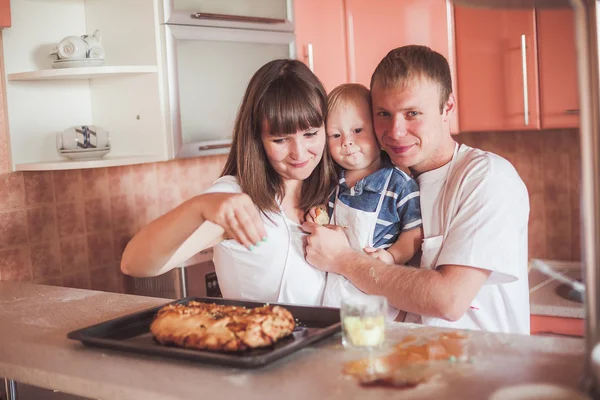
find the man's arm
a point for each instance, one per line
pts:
(446, 292)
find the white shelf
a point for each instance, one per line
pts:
(107, 161)
(81, 73)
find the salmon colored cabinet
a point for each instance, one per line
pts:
(4, 13)
(320, 39)
(559, 100)
(497, 65)
(374, 27)
(542, 324)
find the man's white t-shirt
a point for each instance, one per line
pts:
(488, 209)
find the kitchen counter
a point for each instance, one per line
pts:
(34, 349)
(543, 298)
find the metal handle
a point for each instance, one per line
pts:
(525, 86)
(573, 111)
(11, 389)
(311, 61)
(214, 146)
(238, 18)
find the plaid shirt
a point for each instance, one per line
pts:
(400, 209)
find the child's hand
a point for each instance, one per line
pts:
(311, 215)
(380, 254)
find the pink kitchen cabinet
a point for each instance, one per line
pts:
(558, 69)
(497, 64)
(5, 14)
(376, 27)
(321, 39)
(542, 324)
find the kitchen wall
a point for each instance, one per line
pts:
(549, 163)
(70, 227)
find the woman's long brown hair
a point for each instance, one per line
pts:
(285, 97)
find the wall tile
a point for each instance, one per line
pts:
(70, 219)
(45, 260)
(121, 240)
(73, 254)
(123, 212)
(13, 229)
(94, 183)
(80, 280)
(15, 264)
(97, 214)
(100, 249)
(145, 180)
(41, 223)
(68, 185)
(39, 188)
(147, 208)
(120, 180)
(56, 280)
(104, 278)
(12, 191)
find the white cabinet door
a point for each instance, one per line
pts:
(243, 14)
(208, 70)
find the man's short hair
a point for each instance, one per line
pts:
(408, 63)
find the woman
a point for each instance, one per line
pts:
(277, 169)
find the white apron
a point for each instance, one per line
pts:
(297, 273)
(431, 247)
(360, 230)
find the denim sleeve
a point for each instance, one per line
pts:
(409, 206)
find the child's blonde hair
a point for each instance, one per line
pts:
(348, 92)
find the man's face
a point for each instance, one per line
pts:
(409, 124)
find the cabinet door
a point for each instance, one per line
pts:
(208, 71)
(320, 39)
(244, 14)
(558, 69)
(496, 58)
(376, 27)
(4, 13)
(544, 325)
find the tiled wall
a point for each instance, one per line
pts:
(549, 164)
(70, 227)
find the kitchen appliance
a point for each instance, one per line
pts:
(587, 39)
(196, 277)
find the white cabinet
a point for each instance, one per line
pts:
(170, 87)
(208, 71)
(123, 97)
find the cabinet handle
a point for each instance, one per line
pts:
(311, 61)
(525, 86)
(214, 146)
(351, 57)
(238, 18)
(573, 111)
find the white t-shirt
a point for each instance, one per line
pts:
(488, 207)
(275, 271)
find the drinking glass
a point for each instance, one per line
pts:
(363, 321)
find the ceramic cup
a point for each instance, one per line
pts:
(72, 47)
(82, 137)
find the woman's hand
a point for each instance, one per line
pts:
(238, 216)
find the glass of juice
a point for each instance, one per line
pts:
(363, 321)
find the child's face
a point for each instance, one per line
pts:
(350, 136)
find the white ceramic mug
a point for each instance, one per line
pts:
(82, 137)
(72, 47)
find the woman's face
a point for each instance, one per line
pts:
(294, 156)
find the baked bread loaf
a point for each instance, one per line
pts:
(322, 216)
(222, 328)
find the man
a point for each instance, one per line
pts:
(474, 206)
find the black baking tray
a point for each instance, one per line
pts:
(132, 333)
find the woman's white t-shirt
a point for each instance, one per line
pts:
(275, 271)
(488, 209)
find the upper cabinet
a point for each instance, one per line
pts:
(321, 39)
(558, 69)
(4, 14)
(516, 69)
(496, 56)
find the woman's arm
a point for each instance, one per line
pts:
(150, 252)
